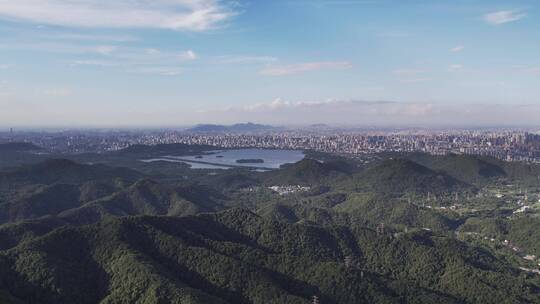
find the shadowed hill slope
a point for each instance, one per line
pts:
(63, 171)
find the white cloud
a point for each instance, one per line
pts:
(457, 49)
(305, 67)
(455, 67)
(372, 113)
(279, 104)
(187, 55)
(502, 17)
(189, 15)
(329, 111)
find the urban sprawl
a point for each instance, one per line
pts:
(511, 145)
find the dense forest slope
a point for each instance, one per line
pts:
(237, 257)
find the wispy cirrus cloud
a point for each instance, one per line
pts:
(113, 56)
(138, 60)
(59, 47)
(502, 17)
(188, 15)
(299, 68)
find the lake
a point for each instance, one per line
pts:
(192, 165)
(225, 159)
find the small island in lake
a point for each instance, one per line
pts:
(250, 161)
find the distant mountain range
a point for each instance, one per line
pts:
(236, 128)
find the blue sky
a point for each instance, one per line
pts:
(179, 62)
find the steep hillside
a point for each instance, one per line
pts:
(238, 257)
(63, 171)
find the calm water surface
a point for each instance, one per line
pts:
(224, 159)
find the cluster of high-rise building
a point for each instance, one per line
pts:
(503, 144)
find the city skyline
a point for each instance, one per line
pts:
(184, 62)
